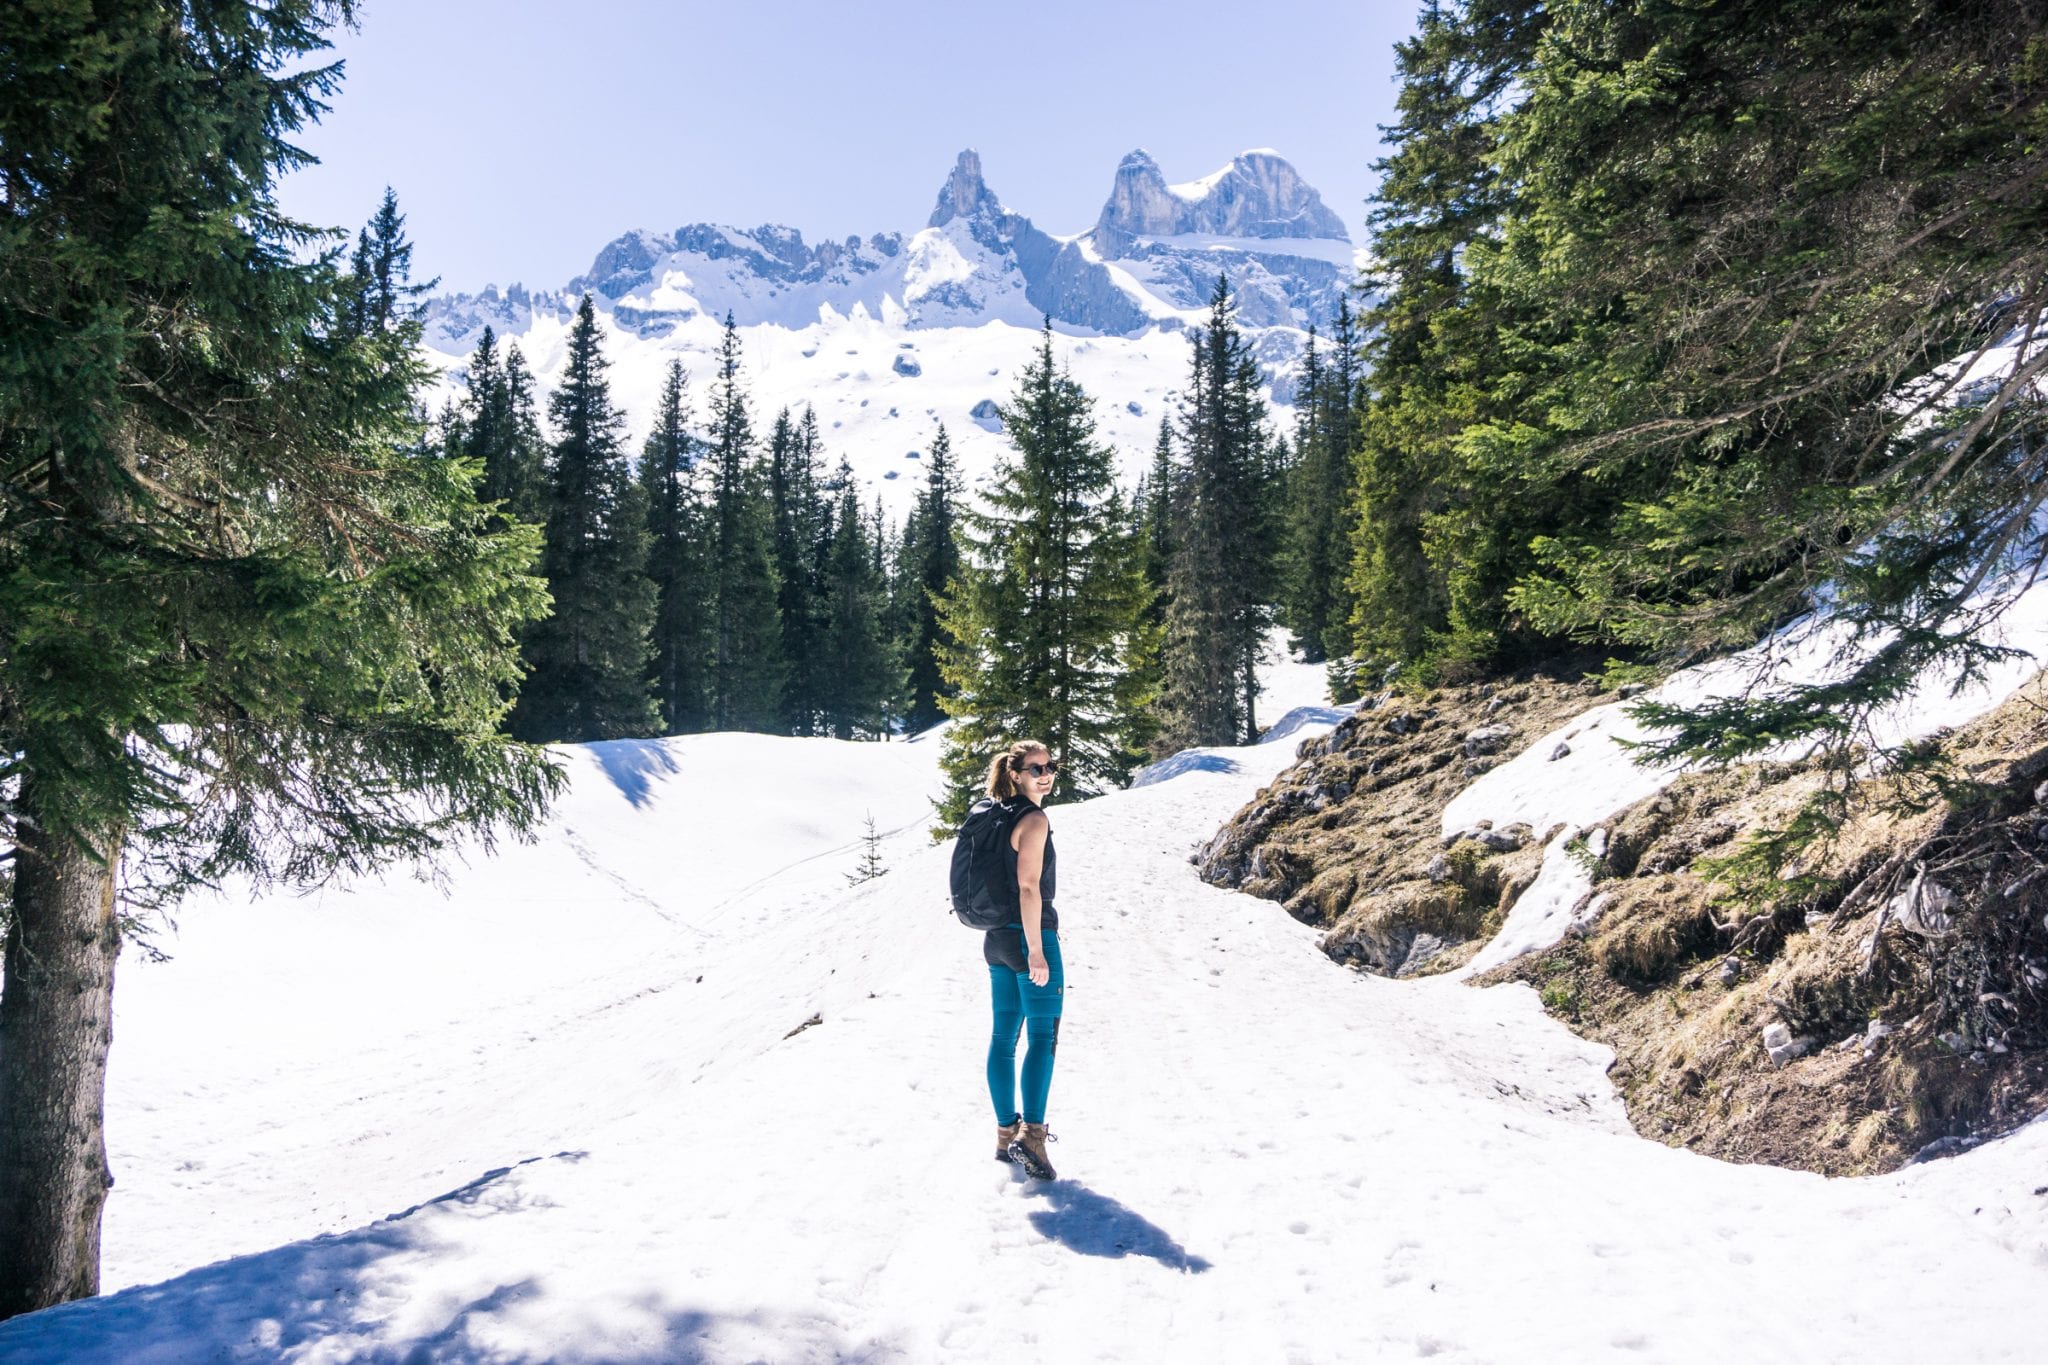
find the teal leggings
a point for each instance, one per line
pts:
(1018, 1003)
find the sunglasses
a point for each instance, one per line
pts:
(1041, 769)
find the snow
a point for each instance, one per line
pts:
(1195, 191)
(957, 362)
(1599, 777)
(1337, 253)
(570, 1112)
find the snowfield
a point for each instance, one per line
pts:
(871, 413)
(572, 1111)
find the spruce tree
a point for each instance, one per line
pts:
(798, 517)
(1817, 378)
(1047, 612)
(931, 561)
(748, 673)
(1320, 495)
(225, 552)
(524, 461)
(1418, 575)
(1690, 317)
(380, 272)
(864, 677)
(589, 660)
(1222, 575)
(1159, 512)
(675, 558)
(496, 429)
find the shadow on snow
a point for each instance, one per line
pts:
(1095, 1225)
(371, 1295)
(634, 765)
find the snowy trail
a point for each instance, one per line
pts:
(1265, 1157)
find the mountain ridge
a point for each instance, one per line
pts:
(1148, 261)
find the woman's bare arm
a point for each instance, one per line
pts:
(1029, 840)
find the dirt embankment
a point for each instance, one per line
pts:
(1350, 837)
(1883, 998)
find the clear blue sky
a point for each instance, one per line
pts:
(521, 135)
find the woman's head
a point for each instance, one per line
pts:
(1025, 769)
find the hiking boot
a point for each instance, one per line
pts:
(1006, 1135)
(1028, 1151)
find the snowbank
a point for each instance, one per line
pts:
(1584, 772)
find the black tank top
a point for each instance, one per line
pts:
(1005, 947)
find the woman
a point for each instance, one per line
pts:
(1026, 984)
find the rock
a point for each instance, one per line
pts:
(1505, 840)
(2041, 795)
(1941, 1147)
(1791, 1051)
(1258, 195)
(1731, 972)
(985, 412)
(1439, 869)
(1560, 751)
(1878, 1029)
(1777, 1036)
(1924, 908)
(1954, 1042)
(1135, 408)
(1487, 739)
(1627, 690)
(1403, 724)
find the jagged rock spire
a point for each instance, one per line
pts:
(965, 193)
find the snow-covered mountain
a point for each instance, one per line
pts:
(889, 334)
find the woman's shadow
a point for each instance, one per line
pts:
(1096, 1225)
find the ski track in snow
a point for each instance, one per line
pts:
(561, 1115)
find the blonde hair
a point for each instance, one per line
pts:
(1003, 769)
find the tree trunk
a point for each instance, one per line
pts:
(56, 1021)
(1251, 695)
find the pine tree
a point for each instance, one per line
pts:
(1223, 570)
(930, 562)
(525, 458)
(798, 516)
(1047, 611)
(748, 673)
(1673, 324)
(589, 660)
(1429, 352)
(495, 427)
(1320, 495)
(1783, 328)
(380, 272)
(675, 558)
(1160, 512)
(864, 677)
(225, 550)
(871, 864)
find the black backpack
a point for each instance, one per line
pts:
(984, 888)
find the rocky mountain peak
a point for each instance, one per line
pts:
(1259, 194)
(965, 193)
